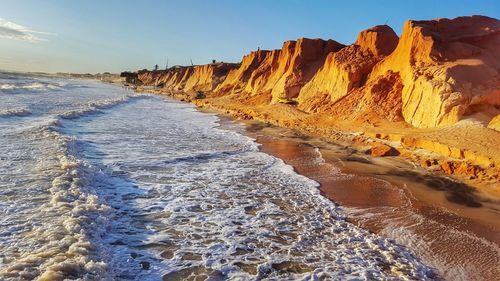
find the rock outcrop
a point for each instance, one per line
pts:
(448, 68)
(259, 78)
(438, 72)
(206, 78)
(284, 72)
(236, 81)
(176, 79)
(381, 150)
(380, 98)
(348, 68)
(149, 78)
(203, 78)
(299, 61)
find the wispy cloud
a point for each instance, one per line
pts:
(12, 30)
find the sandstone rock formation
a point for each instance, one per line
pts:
(380, 98)
(260, 77)
(149, 77)
(280, 73)
(438, 72)
(348, 68)
(176, 79)
(237, 79)
(283, 72)
(448, 68)
(298, 62)
(381, 150)
(206, 78)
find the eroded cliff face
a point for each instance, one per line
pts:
(206, 78)
(176, 80)
(259, 78)
(298, 62)
(149, 77)
(348, 68)
(282, 73)
(448, 68)
(203, 78)
(438, 72)
(378, 99)
(237, 79)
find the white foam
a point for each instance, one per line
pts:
(34, 86)
(156, 183)
(210, 193)
(97, 106)
(75, 220)
(18, 111)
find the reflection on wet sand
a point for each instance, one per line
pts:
(444, 222)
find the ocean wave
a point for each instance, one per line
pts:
(177, 196)
(19, 111)
(202, 200)
(97, 106)
(76, 219)
(33, 86)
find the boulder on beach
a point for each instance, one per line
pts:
(381, 150)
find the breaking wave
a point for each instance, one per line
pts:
(19, 111)
(151, 189)
(67, 243)
(34, 86)
(98, 106)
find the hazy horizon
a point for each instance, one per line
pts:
(89, 36)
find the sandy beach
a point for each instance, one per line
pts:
(449, 226)
(466, 151)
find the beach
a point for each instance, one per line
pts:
(250, 140)
(102, 183)
(452, 230)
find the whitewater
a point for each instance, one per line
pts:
(100, 183)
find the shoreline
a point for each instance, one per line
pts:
(345, 177)
(471, 169)
(468, 212)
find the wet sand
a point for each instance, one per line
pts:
(449, 225)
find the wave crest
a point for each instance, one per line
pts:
(97, 106)
(34, 86)
(18, 111)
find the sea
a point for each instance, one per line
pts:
(98, 182)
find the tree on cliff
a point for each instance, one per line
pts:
(156, 67)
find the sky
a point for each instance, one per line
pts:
(116, 35)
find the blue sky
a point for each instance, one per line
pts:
(97, 36)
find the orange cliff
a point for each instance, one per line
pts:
(347, 69)
(237, 79)
(260, 76)
(437, 73)
(279, 73)
(175, 79)
(189, 79)
(297, 63)
(206, 78)
(449, 70)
